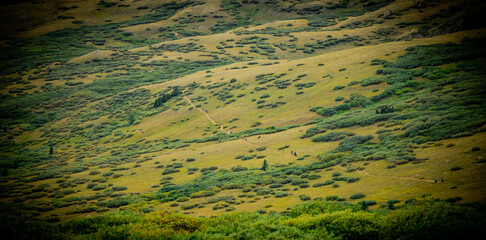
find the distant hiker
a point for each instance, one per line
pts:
(258, 137)
(206, 111)
(292, 152)
(295, 154)
(442, 180)
(435, 180)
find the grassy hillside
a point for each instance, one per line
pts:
(305, 117)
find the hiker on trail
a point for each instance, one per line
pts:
(258, 137)
(435, 180)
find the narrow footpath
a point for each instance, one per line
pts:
(384, 176)
(221, 126)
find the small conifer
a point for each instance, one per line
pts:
(265, 165)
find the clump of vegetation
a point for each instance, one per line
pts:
(80, 112)
(331, 136)
(357, 196)
(166, 97)
(336, 216)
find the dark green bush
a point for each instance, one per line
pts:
(357, 196)
(280, 194)
(189, 206)
(304, 198)
(170, 170)
(238, 168)
(182, 199)
(114, 203)
(455, 168)
(372, 81)
(332, 198)
(120, 188)
(325, 183)
(351, 143)
(352, 179)
(98, 187)
(331, 136)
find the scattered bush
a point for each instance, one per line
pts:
(99, 187)
(189, 206)
(357, 196)
(331, 136)
(121, 188)
(338, 99)
(239, 168)
(372, 81)
(455, 168)
(182, 199)
(304, 198)
(325, 183)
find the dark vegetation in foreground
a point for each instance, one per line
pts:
(415, 219)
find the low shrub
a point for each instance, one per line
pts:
(304, 198)
(338, 99)
(325, 183)
(372, 81)
(182, 199)
(455, 168)
(357, 196)
(280, 194)
(120, 188)
(189, 206)
(99, 187)
(331, 136)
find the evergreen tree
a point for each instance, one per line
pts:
(51, 150)
(176, 91)
(131, 119)
(166, 97)
(265, 165)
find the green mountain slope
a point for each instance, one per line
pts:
(132, 111)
